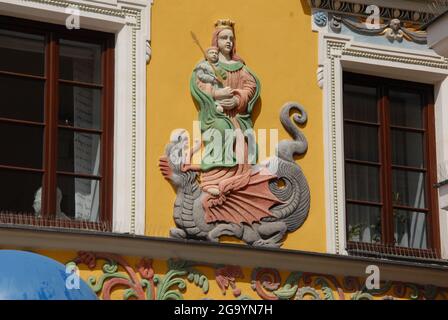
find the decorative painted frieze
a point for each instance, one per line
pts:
(143, 283)
(303, 285)
(393, 23)
(110, 273)
(388, 13)
(394, 30)
(227, 193)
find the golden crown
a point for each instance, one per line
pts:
(224, 24)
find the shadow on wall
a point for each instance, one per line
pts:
(305, 7)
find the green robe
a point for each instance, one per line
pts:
(214, 122)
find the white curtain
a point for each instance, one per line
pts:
(87, 147)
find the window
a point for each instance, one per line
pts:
(56, 124)
(390, 166)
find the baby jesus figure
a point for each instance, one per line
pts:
(207, 73)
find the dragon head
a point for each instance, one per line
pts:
(176, 162)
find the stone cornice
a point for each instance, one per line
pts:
(28, 238)
(437, 35)
(417, 13)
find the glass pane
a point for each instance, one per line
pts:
(79, 152)
(80, 107)
(406, 109)
(410, 229)
(80, 61)
(407, 148)
(21, 52)
(360, 103)
(23, 99)
(22, 146)
(361, 142)
(79, 198)
(20, 192)
(362, 182)
(408, 188)
(363, 223)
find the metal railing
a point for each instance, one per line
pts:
(30, 219)
(362, 249)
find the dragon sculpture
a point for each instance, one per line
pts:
(289, 186)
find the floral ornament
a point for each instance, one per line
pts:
(140, 285)
(144, 284)
(307, 291)
(264, 281)
(362, 296)
(111, 277)
(226, 277)
(299, 286)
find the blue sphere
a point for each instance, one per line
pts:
(30, 276)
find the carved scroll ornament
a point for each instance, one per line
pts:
(394, 30)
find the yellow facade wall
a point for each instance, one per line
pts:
(276, 41)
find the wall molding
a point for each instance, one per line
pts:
(29, 238)
(339, 53)
(417, 13)
(130, 21)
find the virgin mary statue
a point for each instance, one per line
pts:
(235, 192)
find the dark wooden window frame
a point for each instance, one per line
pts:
(387, 246)
(52, 34)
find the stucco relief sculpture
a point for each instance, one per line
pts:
(233, 195)
(394, 30)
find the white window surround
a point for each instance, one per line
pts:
(339, 53)
(130, 21)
